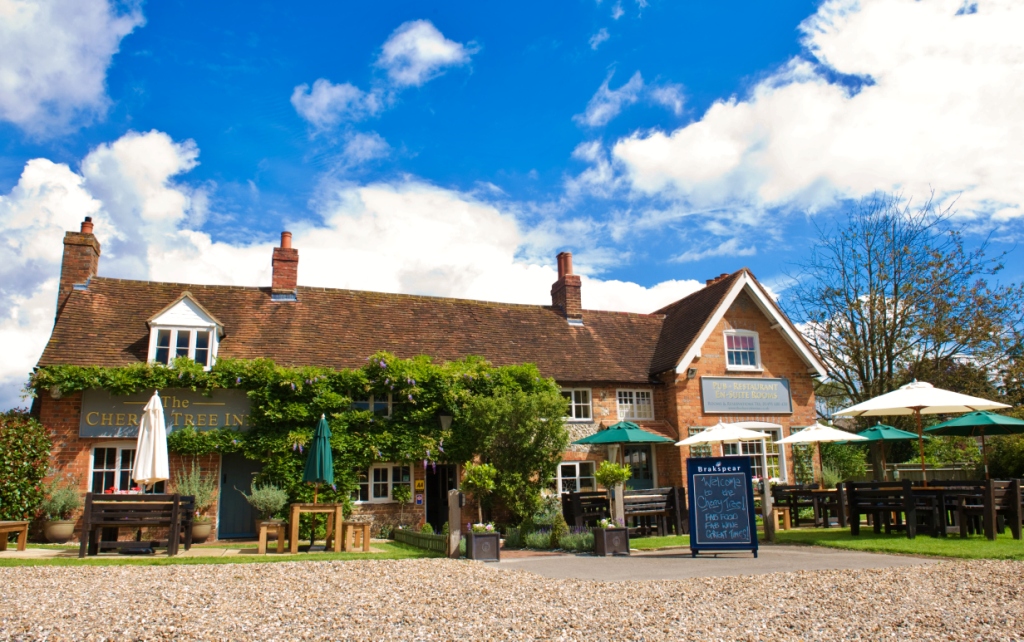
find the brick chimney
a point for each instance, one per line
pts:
(716, 279)
(565, 292)
(80, 263)
(286, 267)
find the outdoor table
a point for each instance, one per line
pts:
(822, 501)
(943, 501)
(21, 528)
(333, 517)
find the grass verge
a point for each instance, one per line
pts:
(389, 551)
(1004, 547)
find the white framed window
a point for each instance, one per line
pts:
(775, 454)
(167, 344)
(576, 476)
(699, 450)
(742, 351)
(377, 483)
(110, 469)
(380, 406)
(579, 403)
(635, 404)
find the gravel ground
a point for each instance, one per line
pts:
(443, 599)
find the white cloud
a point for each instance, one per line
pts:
(417, 52)
(729, 247)
(326, 104)
(617, 11)
(364, 147)
(939, 106)
(54, 56)
(607, 103)
(670, 96)
(598, 38)
(421, 238)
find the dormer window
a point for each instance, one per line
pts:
(184, 329)
(742, 351)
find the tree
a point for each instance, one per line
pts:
(894, 287)
(478, 481)
(24, 461)
(522, 434)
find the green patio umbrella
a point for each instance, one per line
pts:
(880, 433)
(624, 432)
(319, 465)
(978, 424)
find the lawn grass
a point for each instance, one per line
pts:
(389, 551)
(650, 543)
(1004, 547)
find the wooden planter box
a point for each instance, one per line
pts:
(483, 546)
(611, 541)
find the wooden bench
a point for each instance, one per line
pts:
(584, 509)
(132, 511)
(6, 528)
(665, 507)
(787, 496)
(280, 530)
(998, 498)
(892, 505)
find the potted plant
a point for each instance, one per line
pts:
(203, 490)
(482, 543)
(60, 501)
(611, 537)
(612, 476)
(401, 494)
(478, 481)
(267, 500)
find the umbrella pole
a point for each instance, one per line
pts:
(885, 469)
(984, 452)
(920, 445)
(821, 467)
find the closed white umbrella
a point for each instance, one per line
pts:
(818, 433)
(919, 398)
(151, 463)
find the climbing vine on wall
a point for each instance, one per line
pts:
(286, 402)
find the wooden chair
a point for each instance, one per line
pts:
(6, 528)
(999, 498)
(883, 501)
(584, 509)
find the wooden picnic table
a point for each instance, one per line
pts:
(8, 527)
(334, 517)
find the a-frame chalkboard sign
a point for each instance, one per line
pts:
(721, 504)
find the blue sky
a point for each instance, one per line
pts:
(454, 148)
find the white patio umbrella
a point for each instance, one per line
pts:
(920, 398)
(818, 433)
(732, 432)
(151, 463)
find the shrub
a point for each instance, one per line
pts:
(427, 529)
(403, 495)
(559, 529)
(203, 489)
(24, 459)
(267, 499)
(830, 477)
(540, 539)
(61, 497)
(609, 473)
(1006, 456)
(579, 541)
(513, 537)
(847, 460)
(386, 531)
(550, 505)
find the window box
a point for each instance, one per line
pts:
(483, 547)
(611, 541)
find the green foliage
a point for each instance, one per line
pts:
(60, 497)
(609, 473)
(518, 428)
(267, 499)
(202, 488)
(846, 460)
(578, 542)
(559, 529)
(478, 479)
(1006, 456)
(538, 539)
(514, 537)
(803, 463)
(401, 494)
(427, 529)
(24, 460)
(830, 477)
(946, 450)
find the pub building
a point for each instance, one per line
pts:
(724, 353)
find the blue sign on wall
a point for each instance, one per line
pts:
(721, 504)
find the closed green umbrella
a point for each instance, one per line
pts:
(978, 424)
(624, 432)
(881, 433)
(319, 462)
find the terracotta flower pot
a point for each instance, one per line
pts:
(201, 530)
(59, 531)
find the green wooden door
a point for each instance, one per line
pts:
(638, 458)
(236, 518)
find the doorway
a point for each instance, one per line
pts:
(440, 480)
(639, 460)
(235, 517)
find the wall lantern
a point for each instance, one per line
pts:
(691, 373)
(445, 419)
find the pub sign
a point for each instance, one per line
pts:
(738, 395)
(117, 416)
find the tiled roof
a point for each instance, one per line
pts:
(106, 325)
(684, 321)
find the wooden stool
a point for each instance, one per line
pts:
(783, 511)
(21, 528)
(348, 529)
(280, 528)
